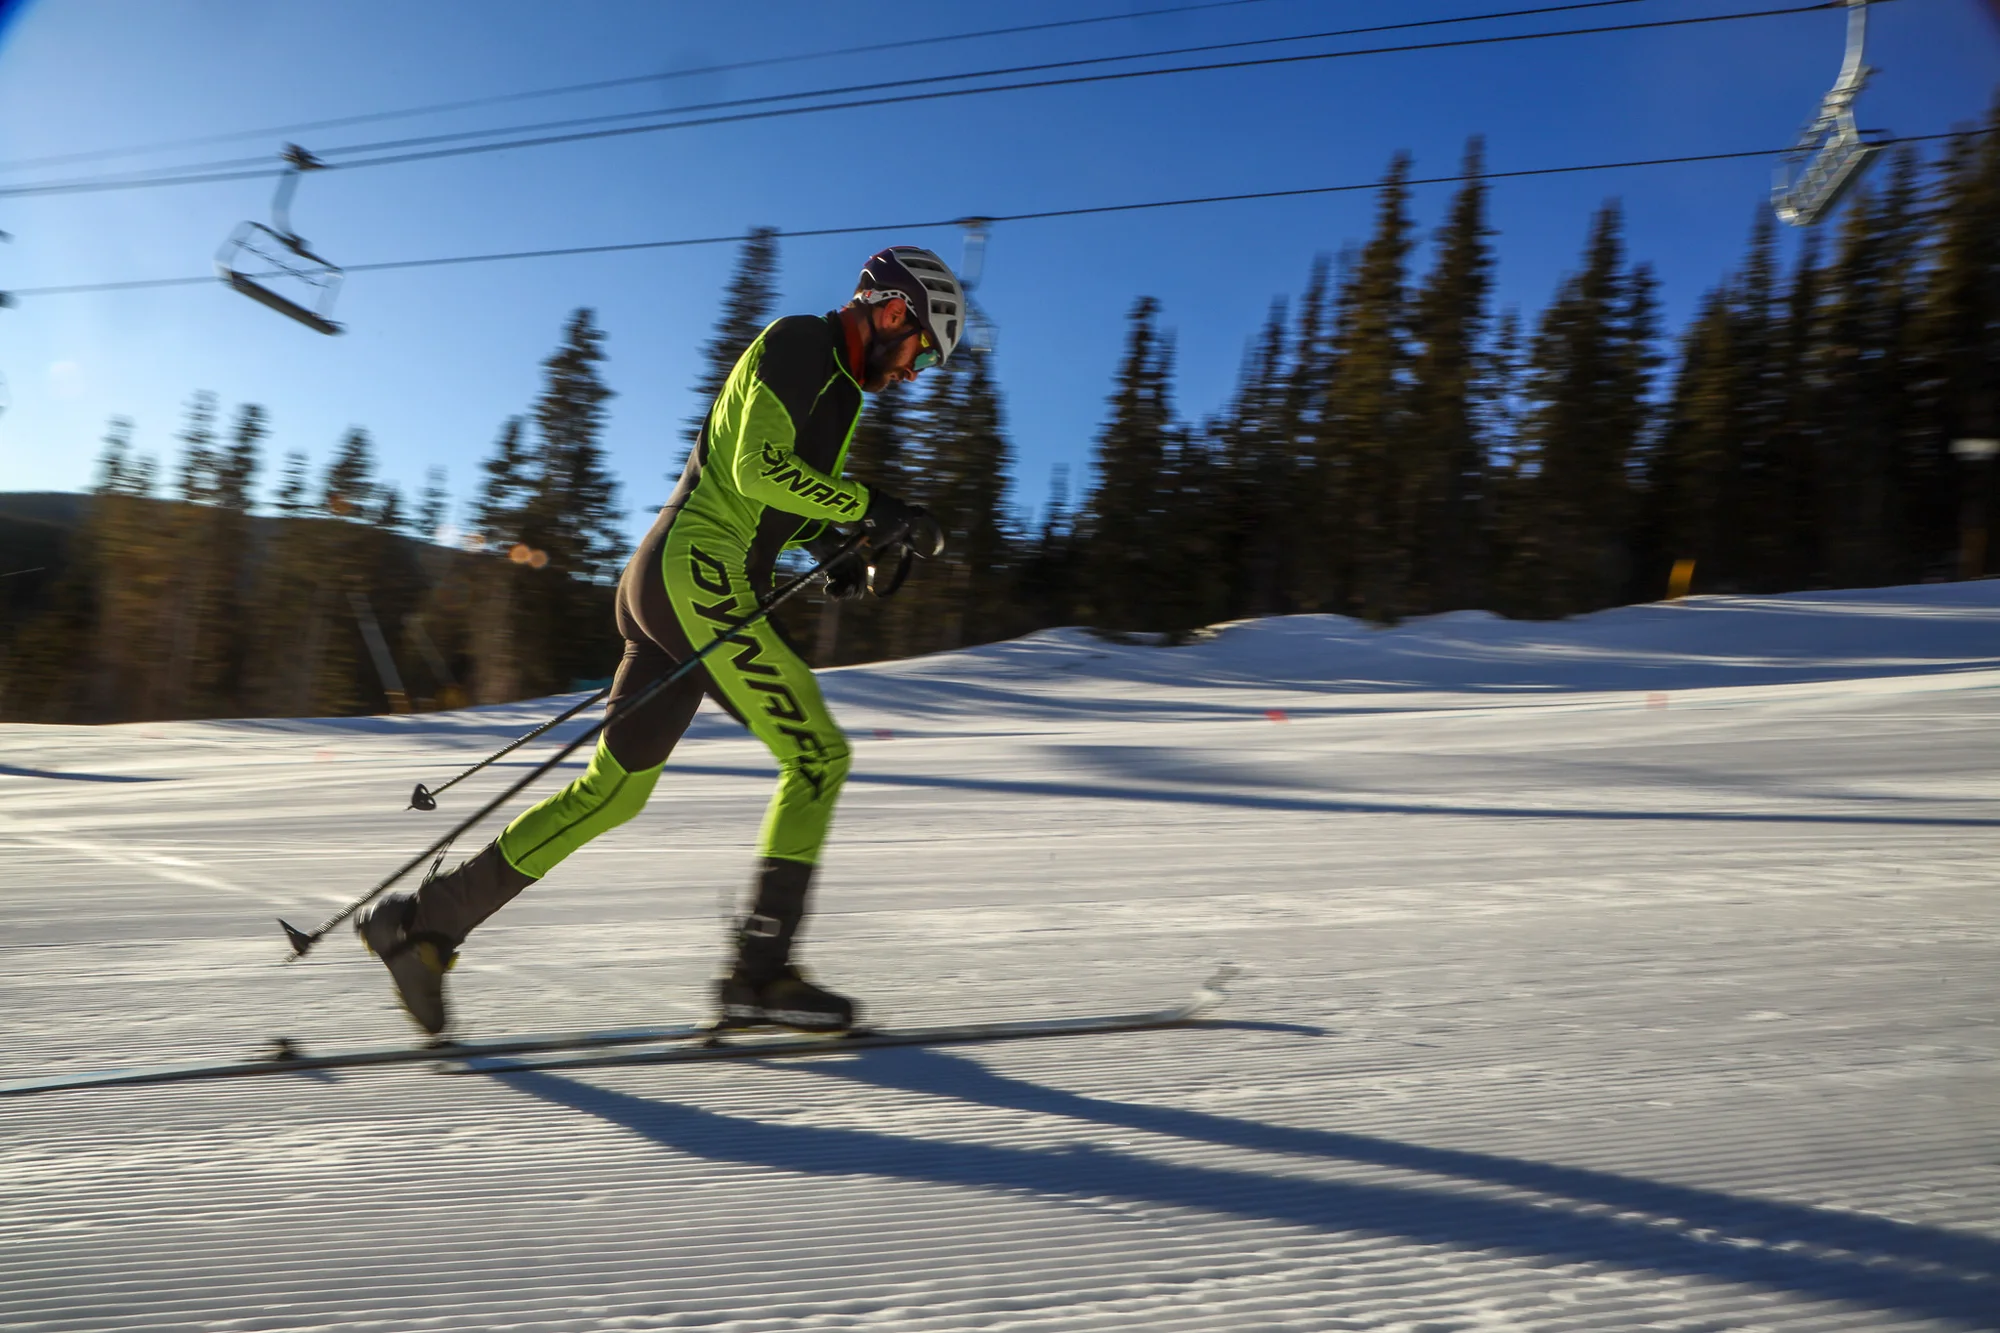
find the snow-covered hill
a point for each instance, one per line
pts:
(1629, 972)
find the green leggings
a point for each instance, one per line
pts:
(685, 583)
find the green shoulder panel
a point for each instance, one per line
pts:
(754, 427)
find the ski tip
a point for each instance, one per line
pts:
(421, 798)
(301, 942)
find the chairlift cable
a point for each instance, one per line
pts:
(460, 136)
(902, 99)
(1040, 215)
(253, 167)
(600, 85)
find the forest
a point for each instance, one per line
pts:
(1395, 447)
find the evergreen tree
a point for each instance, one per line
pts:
(119, 470)
(1721, 481)
(1189, 581)
(199, 462)
(1257, 474)
(549, 504)
(389, 512)
(1047, 577)
(555, 630)
(748, 304)
(349, 490)
(433, 506)
(1867, 355)
(570, 511)
(1058, 515)
(503, 496)
(1499, 398)
(236, 466)
(295, 486)
(229, 566)
(1696, 459)
(1447, 461)
(202, 552)
(1367, 427)
(1308, 578)
(1757, 495)
(1794, 492)
(1126, 522)
(1961, 333)
(1311, 370)
(1505, 515)
(964, 482)
(1589, 417)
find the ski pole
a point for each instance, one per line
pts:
(425, 798)
(302, 941)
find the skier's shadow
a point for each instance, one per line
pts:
(1575, 1215)
(11, 771)
(1336, 805)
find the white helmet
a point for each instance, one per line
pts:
(926, 283)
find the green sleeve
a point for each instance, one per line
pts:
(765, 469)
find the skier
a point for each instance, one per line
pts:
(764, 475)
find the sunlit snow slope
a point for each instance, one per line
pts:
(1632, 972)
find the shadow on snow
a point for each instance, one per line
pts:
(1336, 806)
(1578, 1215)
(10, 771)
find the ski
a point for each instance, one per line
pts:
(285, 1058)
(584, 1049)
(723, 1046)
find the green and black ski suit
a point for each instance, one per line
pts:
(764, 475)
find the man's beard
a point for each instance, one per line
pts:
(876, 367)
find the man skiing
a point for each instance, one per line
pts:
(764, 476)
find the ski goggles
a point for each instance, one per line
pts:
(928, 354)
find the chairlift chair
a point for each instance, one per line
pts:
(255, 254)
(1831, 152)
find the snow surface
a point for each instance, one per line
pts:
(1631, 972)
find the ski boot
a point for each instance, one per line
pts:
(788, 999)
(417, 934)
(417, 962)
(762, 987)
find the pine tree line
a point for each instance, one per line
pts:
(175, 600)
(1395, 447)
(1808, 439)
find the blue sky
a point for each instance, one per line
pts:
(436, 359)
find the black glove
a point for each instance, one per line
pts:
(890, 520)
(848, 578)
